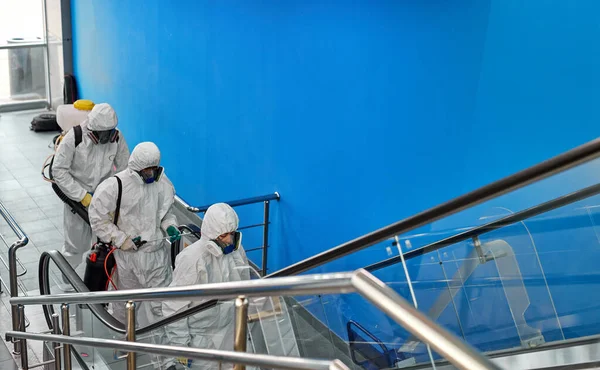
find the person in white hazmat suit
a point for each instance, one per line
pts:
(145, 214)
(217, 257)
(77, 170)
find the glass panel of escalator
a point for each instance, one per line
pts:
(567, 242)
(459, 286)
(81, 318)
(520, 286)
(513, 251)
(352, 329)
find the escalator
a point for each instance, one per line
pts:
(486, 284)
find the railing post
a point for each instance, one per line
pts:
(265, 238)
(241, 328)
(130, 307)
(56, 345)
(14, 292)
(66, 331)
(23, 342)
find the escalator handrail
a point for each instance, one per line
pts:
(540, 171)
(494, 225)
(97, 309)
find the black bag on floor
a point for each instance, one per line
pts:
(45, 122)
(69, 90)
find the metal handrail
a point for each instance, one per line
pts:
(233, 203)
(446, 344)
(24, 45)
(12, 266)
(560, 163)
(334, 283)
(250, 359)
(10, 220)
(494, 225)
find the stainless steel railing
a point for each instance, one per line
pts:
(250, 359)
(12, 268)
(362, 282)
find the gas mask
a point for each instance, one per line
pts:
(151, 174)
(104, 137)
(233, 246)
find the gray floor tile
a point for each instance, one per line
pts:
(19, 204)
(48, 237)
(15, 194)
(40, 191)
(9, 185)
(28, 215)
(6, 175)
(28, 254)
(4, 353)
(58, 222)
(30, 284)
(50, 247)
(18, 164)
(31, 268)
(47, 201)
(53, 211)
(33, 227)
(12, 156)
(9, 364)
(28, 171)
(33, 181)
(6, 231)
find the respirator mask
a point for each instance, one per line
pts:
(104, 137)
(151, 174)
(233, 246)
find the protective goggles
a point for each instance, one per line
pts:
(151, 174)
(234, 246)
(103, 137)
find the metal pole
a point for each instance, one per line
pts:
(23, 342)
(213, 355)
(14, 292)
(47, 54)
(66, 331)
(67, 37)
(265, 239)
(130, 308)
(56, 345)
(241, 328)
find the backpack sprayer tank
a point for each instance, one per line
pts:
(95, 278)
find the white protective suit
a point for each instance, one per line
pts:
(145, 212)
(78, 171)
(201, 263)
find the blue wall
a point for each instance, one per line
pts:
(359, 113)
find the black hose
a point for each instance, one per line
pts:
(76, 207)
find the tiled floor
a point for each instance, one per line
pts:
(34, 206)
(6, 360)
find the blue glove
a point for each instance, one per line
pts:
(174, 233)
